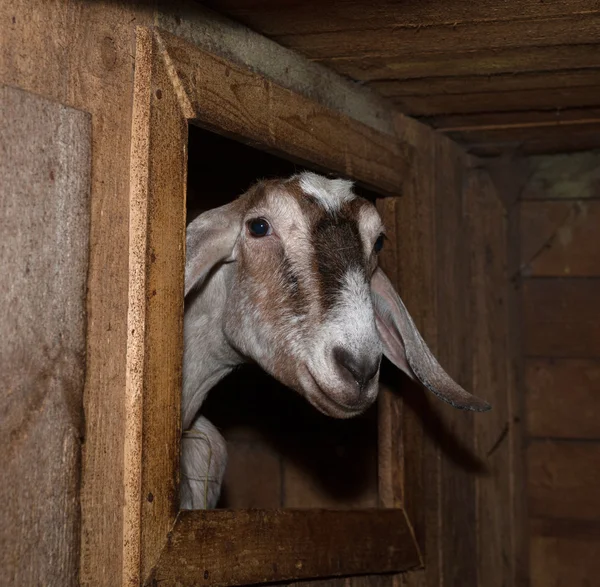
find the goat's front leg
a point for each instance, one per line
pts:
(203, 462)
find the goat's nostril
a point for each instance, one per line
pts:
(361, 368)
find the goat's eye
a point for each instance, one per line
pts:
(378, 243)
(259, 227)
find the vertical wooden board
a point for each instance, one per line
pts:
(563, 398)
(561, 317)
(560, 238)
(564, 479)
(489, 340)
(45, 151)
(163, 323)
(573, 176)
(415, 222)
(457, 507)
(101, 50)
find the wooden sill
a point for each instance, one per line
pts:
(235, 547)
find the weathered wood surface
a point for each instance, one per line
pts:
(239, 102)
(560, 238)
(563, 398)
(564, 553)
(496, 437)
(257, 546)
(561, 317)
(564, 479)
(493, 55)
(45, 157)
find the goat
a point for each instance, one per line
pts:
(287, 276)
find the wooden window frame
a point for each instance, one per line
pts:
(176, 83)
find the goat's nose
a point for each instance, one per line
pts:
(361, 368)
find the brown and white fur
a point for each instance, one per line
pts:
(307, 302)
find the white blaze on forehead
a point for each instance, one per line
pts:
(330, 193)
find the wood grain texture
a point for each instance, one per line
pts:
(498, 84)
(561, 317)
(256, 546)
(458, 508)
(563, 398)
(564, 480)
(411, 221)
(495, 434)
(45, 156)
(564, 553)
(246, 105)
(560, 238)
(276, 18)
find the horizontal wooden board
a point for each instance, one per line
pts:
(561, 317)
(563, 398)
(552, 99)
(417, 39)
(240, 103)
(564, 562)
(478, 84)
(564, 479)
(521, 119)
(561, 238)
(526, 142)
(564, 553)
(227, 547)
(273, 17)
(574, 176)
(439, 62)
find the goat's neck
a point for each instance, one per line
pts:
(207, 355)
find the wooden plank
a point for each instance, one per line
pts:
(526, 140)
(155, 319)
(564, 479)
(564, 553)
(45, 151)
(458, 532)
(509, 177)
(563, 398)
(481, 84)
(411, 221)
(553, 99)
(255, 546)
(246, 105)
(443, 62)
(416, 39)
(561, 317)
(489, 340)
(521, 119)
(573, 176)
(279, 18)
(560, 238)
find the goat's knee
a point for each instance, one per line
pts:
(203, 462)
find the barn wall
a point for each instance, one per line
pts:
(44, 223)
(451, 228)
(560, 266)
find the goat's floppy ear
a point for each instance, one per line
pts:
(404, 346)
(210, 239)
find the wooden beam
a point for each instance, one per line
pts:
(226, 547)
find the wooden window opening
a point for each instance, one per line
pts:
(177, 84)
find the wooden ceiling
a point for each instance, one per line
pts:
(496, 75)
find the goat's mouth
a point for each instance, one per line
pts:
(323, 401)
